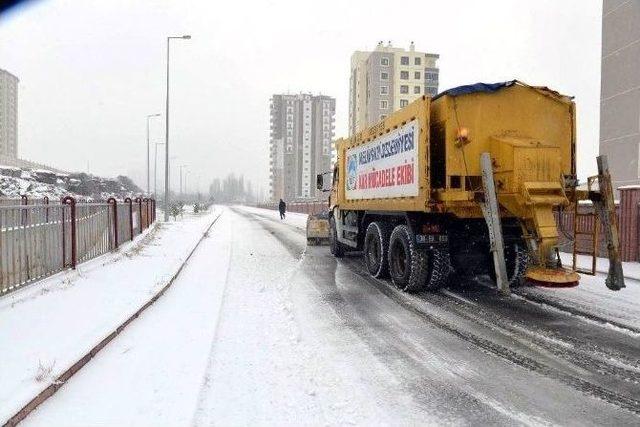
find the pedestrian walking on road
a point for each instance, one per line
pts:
(282, 207)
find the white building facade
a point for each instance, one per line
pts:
(386, 80)
(8, 115)
(301, 144)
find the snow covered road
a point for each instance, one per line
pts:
(259, 329)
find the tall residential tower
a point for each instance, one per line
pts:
(8, 115)
(302, 130)
(386, 80)
(620, 90)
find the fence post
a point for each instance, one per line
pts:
(45, 199)
(153, 209)
(24, 201)
(72, 207)
(139, 202)
(146, 211)
(114, 203)
(128, 200)
(629, 198)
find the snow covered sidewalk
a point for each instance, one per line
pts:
(49, 325)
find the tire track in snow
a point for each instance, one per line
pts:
(402, 356)
(415, 305)
(206, 382)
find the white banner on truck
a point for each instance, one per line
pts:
(385, 167)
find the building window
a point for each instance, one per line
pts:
(416, 89)
(417, 61)
(403, 103)
(404, 75)
(404, 89)
(416, 75)
(404, 60)
(384, 104)
(384, 90)
(383, 116)
(384, 75)
(384, 62)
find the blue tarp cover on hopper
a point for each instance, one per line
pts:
(477, 87)
(494, 87)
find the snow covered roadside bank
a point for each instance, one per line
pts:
(51, 324)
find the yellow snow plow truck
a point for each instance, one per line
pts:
(466, 184)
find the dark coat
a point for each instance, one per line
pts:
(282, 206)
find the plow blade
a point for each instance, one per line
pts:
(318, 229)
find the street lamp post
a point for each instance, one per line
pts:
(166, 140)
(155, 171)
(148, 149)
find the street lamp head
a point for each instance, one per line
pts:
(186, 37)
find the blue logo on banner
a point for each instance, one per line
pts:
(352, 172)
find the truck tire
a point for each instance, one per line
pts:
(517, 260)
(376, 249)
(440, 270)
(335, 247)
(408, 265)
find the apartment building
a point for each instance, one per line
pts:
(8, 115)
(301, 144)
(620, 90)
(387, 79)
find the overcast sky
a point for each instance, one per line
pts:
(90, 71)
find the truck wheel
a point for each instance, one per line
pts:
(335, 247)
(439, 269)
(376, 249)
(408, 265)
(517, 259)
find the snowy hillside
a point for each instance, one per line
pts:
(15, 182)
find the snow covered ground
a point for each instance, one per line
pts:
(49, 325)
(259, 329)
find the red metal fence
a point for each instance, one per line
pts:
(39, 238)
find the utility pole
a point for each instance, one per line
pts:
(166, 136)
(148, 148)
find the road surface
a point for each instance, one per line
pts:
(260, 329)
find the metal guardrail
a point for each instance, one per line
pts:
(38, 240)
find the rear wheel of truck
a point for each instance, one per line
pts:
(335, 247)
(516, 259)
(408, 265)
(376, 248)
(440, 270)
